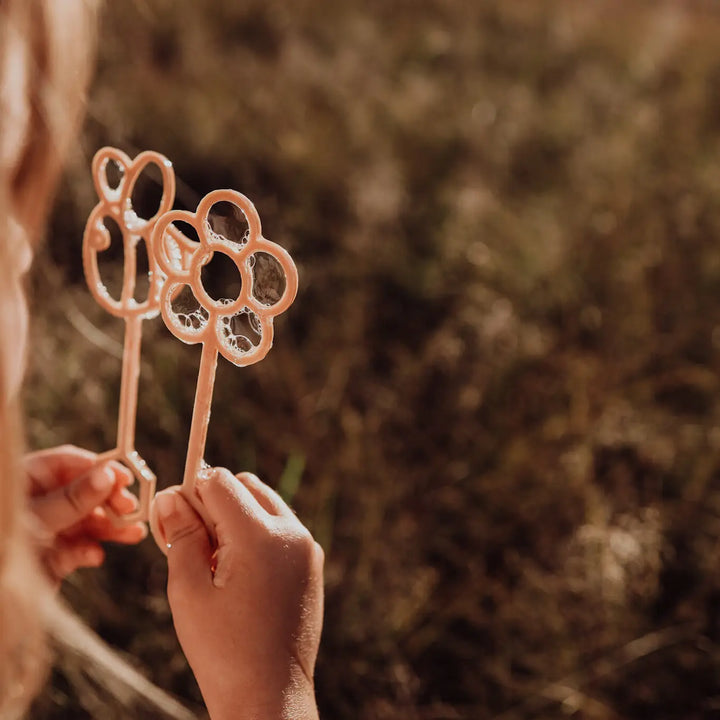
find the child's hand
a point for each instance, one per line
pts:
(251, 628)
(67, 488)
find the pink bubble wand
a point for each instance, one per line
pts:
(241, 330)
(116, 203)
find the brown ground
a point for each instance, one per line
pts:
(496, 399)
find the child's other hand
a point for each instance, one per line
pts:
(67, 488)
(251, 628)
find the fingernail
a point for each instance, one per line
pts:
(166, 504)
(203, 477)
(102, 478)
(127, 495)
(122, 474)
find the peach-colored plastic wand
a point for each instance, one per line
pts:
(116, 203)
(241, 329)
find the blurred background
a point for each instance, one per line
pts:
(495, 401)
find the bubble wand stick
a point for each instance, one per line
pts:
(116, 203)
(241, 330)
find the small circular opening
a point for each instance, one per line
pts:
(229, 221)
(269, 280)
(142, 273)
(148, 192)
(221, 278)
(188, 311)
(111, 261)
(114, 174)
(185, 229)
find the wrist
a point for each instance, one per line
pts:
(266, 699)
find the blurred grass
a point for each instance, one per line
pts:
(495, 400)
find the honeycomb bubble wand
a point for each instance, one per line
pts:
(116, 204)
(240, 329)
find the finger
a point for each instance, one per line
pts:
(68, 557)
(53, 467)
(99, 526)
(270, 501)
(60, 509)
(47, 469)
(125, 534)
(123, 475)
(229, 503)
(320, 554)
(181, 532)
(122, 501)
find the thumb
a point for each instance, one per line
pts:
(181, 534)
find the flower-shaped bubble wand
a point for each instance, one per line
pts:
(115, 205)
(239, 329)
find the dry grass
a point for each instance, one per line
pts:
(495, 399)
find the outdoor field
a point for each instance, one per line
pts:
(496, 399)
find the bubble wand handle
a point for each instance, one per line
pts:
(116, 204)
(124, 449)
(129, 385)
(194, 461)
(239, 329)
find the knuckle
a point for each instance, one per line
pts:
(122, 470)
(304, 538)
(302, 546)
(253, 481)
(186, 532)
(59, 564)
(75, 496)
